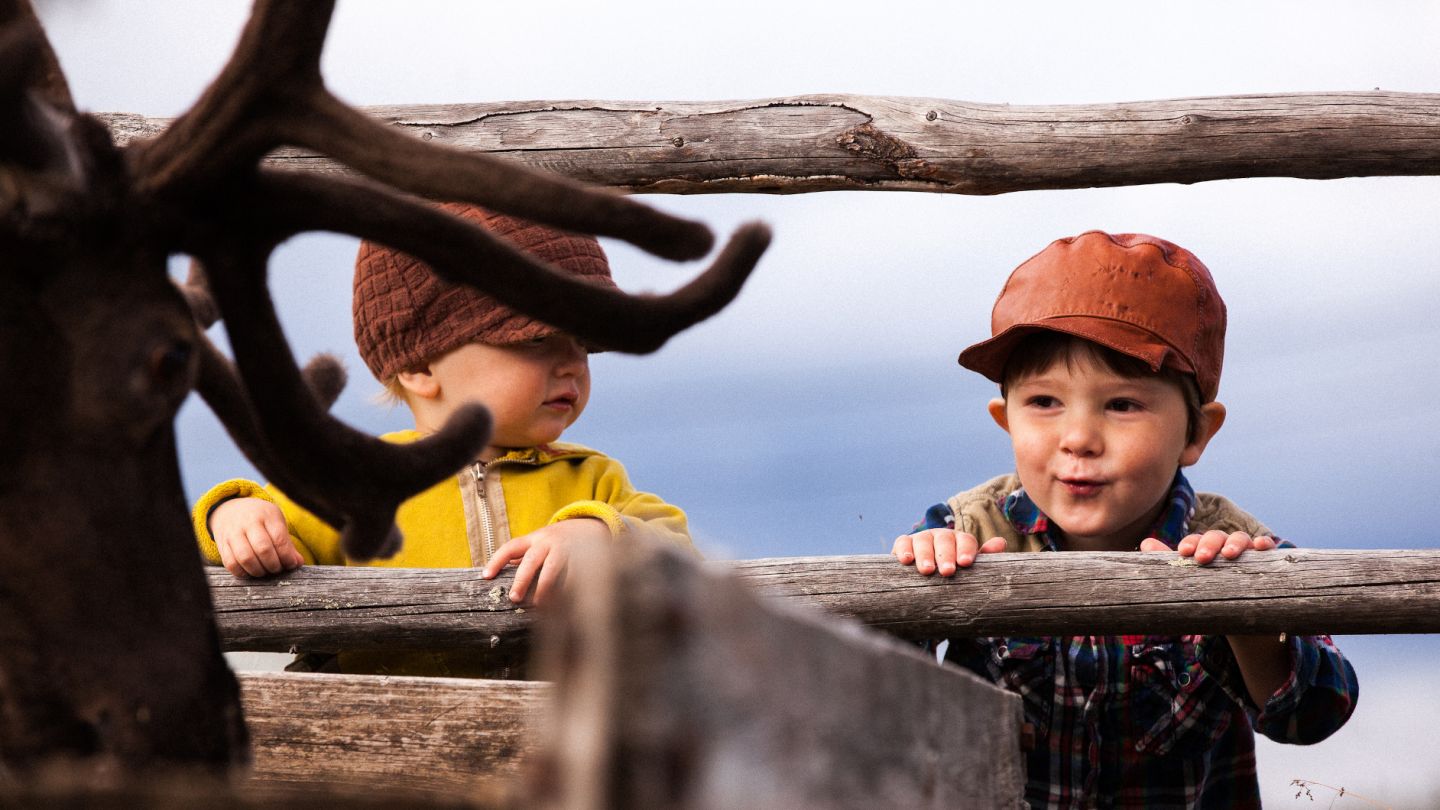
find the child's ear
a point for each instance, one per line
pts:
(421, 382)
(1212, 416)
(997, 412)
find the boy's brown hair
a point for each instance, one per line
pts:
(1140, 297)
(1037, 352)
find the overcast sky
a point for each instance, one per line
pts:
(823, 411)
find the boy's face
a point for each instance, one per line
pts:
(1096, 451)
(534, 390)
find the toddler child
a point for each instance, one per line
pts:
(529, 498)
(1107, 349)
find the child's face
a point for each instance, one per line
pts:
(534, 390)
(1096, 451)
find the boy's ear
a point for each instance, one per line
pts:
(421, 382)
(1212, 416)
(997, 412)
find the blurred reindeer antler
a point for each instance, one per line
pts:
(271, 94)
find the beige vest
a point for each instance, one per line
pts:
(977, 512)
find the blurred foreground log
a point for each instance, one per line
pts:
(676, 687)
(850, 142)
(445, 736)
(1295, 591)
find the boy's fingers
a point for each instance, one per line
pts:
(1211, 544)
(966, 547)
(903, 550)
(530, 565)
(265, 552)
(1151, 544)
(1235, 545)
(994, 545)
(924, 552)
(946, 553)
(503, 555)
(244, 556)
(1264, 543)
(227, 559)
(550, 577)
(1187, 545)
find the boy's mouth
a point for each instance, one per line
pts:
(563, 401)
(1081, 487)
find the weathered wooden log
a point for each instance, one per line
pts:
(676, 687)
(442, 735)
(847, 142)
(1295, 591)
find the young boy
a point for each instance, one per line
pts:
(1107, 349)
(438, 346)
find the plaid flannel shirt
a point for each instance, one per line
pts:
(1149, 721)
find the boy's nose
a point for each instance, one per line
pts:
(570, 356)
(1080, 437)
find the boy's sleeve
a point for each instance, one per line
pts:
(316, 541)
(1313, 703)
(624, 508)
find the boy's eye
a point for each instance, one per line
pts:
(1041, 401)
(1123, 405)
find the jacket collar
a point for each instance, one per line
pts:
(541, 454)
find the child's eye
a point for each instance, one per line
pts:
(1042, 401)
(1123, 405)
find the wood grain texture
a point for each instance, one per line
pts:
(441, 735)
(677, 687)
(846, 142)
(1295, 591)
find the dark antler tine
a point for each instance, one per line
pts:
(39, 69)
(275, 65)
(196, 290)
(325, 377)
(455, 249)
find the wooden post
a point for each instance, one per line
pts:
(677, 687)
(848, 142)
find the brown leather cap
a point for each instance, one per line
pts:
(1139, 295)
(406, 315)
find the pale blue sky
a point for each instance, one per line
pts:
(823, 411)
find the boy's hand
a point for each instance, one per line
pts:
(252, 538)
(1205, 547)
(944, 550)
(545, 552)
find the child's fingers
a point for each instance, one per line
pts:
(244, 555)
(1264, 543)
(1235, 545)
(1187, 545)
(227, 558)
(551, 575)
(966, 548)
(530, 565)
(903, 550)
(924, 546)
(513, 550)
(947, 552)
(279, 532)
(1151, 544)
(264, 552)
(994, 545)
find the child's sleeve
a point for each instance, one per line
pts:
(624, 508)
(316, 541)
(1313, 703)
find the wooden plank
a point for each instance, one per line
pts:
(445, 736)
(676, 686)
(847, 142)
(1295, 591)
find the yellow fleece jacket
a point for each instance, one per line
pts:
(460, 521)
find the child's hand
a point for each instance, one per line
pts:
(1205, 547)
(252, 538)
(942, 549)
(545, 552)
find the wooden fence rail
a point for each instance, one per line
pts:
(1295, 591)
(840, 142)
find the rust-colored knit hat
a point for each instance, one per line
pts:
(1137, 294)
(406, 315)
